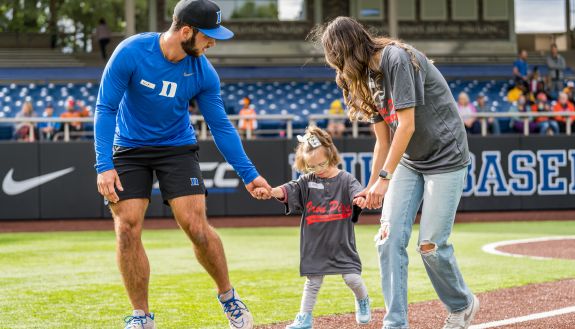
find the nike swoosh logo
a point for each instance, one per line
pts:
(188, 74)
(12, 187)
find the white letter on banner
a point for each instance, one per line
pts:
(549, 161)
(522, 170)
(365, 159)
(470, 180)
(491, 173)
(348, 162)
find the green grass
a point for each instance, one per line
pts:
(70, 280)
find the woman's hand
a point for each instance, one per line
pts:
(372, 196)
(375, 194)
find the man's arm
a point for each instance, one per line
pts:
(225, 135)
(114, 82)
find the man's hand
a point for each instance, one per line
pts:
(107, 182)
(262, 193)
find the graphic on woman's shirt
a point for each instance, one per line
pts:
(384, 104)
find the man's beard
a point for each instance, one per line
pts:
(189, 46)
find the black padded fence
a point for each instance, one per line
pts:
(58, 181)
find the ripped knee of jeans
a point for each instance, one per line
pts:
(426, 247)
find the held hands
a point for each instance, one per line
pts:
(259, 188)
(106, 182)
(276, 192)
(372, 197)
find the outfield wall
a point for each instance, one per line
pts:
(57, 180)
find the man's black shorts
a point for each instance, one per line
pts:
(177, 169)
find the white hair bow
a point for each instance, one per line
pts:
(312, 140)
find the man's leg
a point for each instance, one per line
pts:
(190, 213)
(130, 254)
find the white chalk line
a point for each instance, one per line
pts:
(525, 318)
(491, 248)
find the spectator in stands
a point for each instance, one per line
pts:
(517, 90)
(516, 123)
(556, 65)
(570, 91)
(536, 83)
(482, 107)
(466, 112)
(48, 129)
(521, 68)
(71, 112)
(22, 128)
(245, 124)
(564, 105)
(336, 127)
(546, 125)
(103, 35)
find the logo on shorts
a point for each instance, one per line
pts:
(195, 181)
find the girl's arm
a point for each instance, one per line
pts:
(278, 193)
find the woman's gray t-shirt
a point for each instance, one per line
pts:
(439, 143)
(327, 236)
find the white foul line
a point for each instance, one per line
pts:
(491, 248)
(525, 318)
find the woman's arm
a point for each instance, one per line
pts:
(380, 150)
(401, 138)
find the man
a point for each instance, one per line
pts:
(556, 65)
(142, 112)
(521, 68)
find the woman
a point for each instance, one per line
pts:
(467, 112)
(399, 89)
(25, 130)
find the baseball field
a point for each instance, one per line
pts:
(70, 279)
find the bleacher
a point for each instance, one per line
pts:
(297, 98)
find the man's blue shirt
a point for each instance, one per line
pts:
(522, 66)
(143, 101)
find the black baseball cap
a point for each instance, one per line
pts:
(205, 16)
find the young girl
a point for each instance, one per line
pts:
(325, 197)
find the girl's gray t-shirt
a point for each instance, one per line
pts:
(327, 236)
(439, 143)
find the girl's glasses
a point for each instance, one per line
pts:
(318, 167)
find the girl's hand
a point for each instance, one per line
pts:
(359, 201)
(375, 194)
(261, 193)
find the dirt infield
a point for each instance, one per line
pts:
(520, 306)
(50, 225)
(564, 249)
(495, 305)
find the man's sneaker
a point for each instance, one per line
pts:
(362, 311)
(237, 312)
(302, 321)
(139, 320)
(462, 320)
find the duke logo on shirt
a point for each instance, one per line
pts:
(168, 89)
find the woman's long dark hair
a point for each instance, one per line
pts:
(349, 48)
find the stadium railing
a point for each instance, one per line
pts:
(285, 123)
